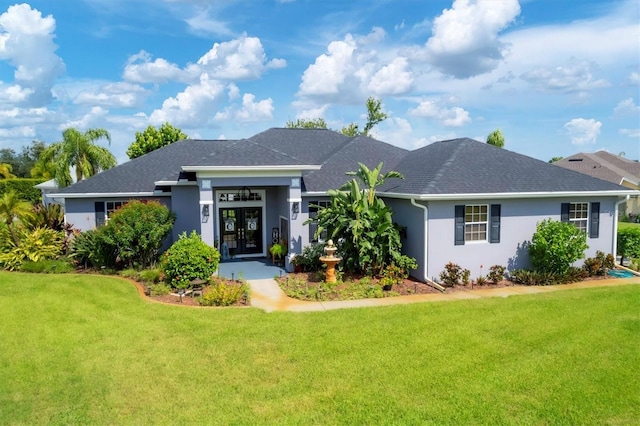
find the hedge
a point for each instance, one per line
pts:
(629, 242)
(25, 188)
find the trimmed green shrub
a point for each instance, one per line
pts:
(51, 266)
(309, 259)
(39, 244)
(556, 245)
(136, 232)
(452, 274)
(25, 188)
(628, 242)
(188, 259)
(222, 293)
(159, 289)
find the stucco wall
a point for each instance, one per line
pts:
(517, 225)
(411, 218)
(80, 212)
(185, 204)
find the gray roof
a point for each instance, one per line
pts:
(467, 166)
(603, 165)
(459, 166)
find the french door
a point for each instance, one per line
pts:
(241, 229)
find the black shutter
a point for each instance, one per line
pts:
(494, 221)
(99, 208)
(564, 212)
(459, 226)
(594, 221)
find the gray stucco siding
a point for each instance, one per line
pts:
(81, 212)
(411, 218)
(185, 205)
(517, 225)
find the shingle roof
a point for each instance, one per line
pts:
(603, 165)
(459, 166)
(466, 166)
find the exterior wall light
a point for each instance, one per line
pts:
(295, 208)
(205, 213)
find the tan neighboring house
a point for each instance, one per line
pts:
(613, 168)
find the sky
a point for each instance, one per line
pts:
(556, 77)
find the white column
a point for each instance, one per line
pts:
(207, 216)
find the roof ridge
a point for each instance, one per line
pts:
(446, 164)
(605, 163)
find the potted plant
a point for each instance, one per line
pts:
(278, 251)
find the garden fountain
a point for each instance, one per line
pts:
(330, 260)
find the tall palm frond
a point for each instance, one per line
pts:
(5, 171)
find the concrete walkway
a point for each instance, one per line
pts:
(267, 295)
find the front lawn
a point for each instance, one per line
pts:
(628, 225)
(80, 349)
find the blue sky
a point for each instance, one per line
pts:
(556, 77)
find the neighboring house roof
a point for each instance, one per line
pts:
(603, 165)
(459, 166)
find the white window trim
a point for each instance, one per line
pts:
(486, 224)
(585, 219)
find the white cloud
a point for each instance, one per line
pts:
(18, 132)
(627, 106)
(26, 42)
(14, 94)
(141, 69)
(376, 35)
(632, 133)
(239, 59)
(583, 131)
(330, 70)
(634, 78)
(576, 77)
(87, 121)
(192, 107)
(392, 79)
(117, 95)
(250, 111)
(465, 38)
(203, 23)
(449, 117)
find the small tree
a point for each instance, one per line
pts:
(556, 245)
(152, 139)
(496, 138)
(136, 232)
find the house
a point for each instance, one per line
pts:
(461, 200)
(609, 167)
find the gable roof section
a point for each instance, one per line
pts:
(138, 175)
(466, 166)
(603, 165)
(360, 149)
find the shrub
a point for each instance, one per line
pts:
(597, 266)
(628, 242)
(556, 245)
(451, 275)
(406, 264)
(188, 259)
(51, 266)
(496, 273)
(151, 275)
(25, 188)
(89, 249)
(309, 259)
(39, 244)
(136, 232)
(222, 293)
(51, 216)
(159, 289)
(130, 273)
(465, 276)
(481, 280)
(528, 277)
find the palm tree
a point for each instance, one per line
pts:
(5, 171)
(13, 209)
(78, 150)
(43, 169)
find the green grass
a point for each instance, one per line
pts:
(88, 350)
(628, 225)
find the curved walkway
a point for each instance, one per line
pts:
(267, 295)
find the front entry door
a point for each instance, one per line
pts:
(241, 229)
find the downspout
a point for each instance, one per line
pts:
(615, 226)
(425, 246)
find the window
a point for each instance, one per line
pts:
(104, 209)
(585, 216)
(579, 215)
(314, 206)
(477, 222)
